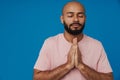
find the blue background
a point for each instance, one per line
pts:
(25, 24)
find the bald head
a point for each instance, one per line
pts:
(73, 6)
(73, 17)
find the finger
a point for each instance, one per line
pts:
(75, 57)
(75, 41)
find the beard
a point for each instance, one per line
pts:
(74, 32)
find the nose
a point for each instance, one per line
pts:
(75, 18)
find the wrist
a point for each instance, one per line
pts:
(81, 66)
(69, 66)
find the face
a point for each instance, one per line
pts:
(73, 18)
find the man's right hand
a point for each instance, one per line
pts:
(71, 54)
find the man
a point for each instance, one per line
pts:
(72, 55)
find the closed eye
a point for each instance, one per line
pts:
(69, 16)
(81, 16)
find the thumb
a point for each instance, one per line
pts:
(74, 41)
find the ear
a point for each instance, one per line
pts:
(61, 18)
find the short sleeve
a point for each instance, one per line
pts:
(103, 63)
(43, 61)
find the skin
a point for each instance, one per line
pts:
(72, 12)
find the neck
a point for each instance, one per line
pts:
(70, 37)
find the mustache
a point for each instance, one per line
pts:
(76, 23)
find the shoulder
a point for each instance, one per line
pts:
(53, 39)
(92, 41)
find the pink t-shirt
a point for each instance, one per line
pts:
(55, 50)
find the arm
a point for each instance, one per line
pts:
(87, 72)
(59, 72)
(54, 74)
(91, 74)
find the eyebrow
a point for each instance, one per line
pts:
(78, 12)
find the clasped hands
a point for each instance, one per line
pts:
(74, 55)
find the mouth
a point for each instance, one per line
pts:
(75, 25)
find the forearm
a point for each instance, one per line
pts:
(91, 74)
(54, 74)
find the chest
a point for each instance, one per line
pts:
(60, 53)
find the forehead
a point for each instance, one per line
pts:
(73, 7)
